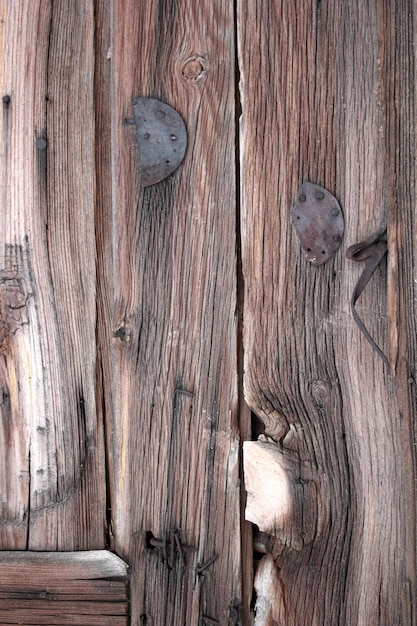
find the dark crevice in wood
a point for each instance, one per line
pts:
(29, 509)
(245, 421)
(102, 117)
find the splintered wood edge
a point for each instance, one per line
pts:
(84, 565)
(269, 592)
(268, 487)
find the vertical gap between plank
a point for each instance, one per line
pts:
(102, 229)
(244, 410)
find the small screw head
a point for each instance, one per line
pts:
(337, 238)
(302, 198)
(319, 195)
(41, 143)
(334, 212)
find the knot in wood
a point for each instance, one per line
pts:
(194, 68)
(320, 390)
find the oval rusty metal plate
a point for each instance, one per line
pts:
(162, 139)
(318, 221)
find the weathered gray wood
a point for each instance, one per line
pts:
(328, 96)
(176, 438)
(52, 479)
(63, 588)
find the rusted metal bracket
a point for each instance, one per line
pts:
(373, 250)
(318, 222)
(162, 139)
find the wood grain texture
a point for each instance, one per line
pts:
(52, 479)
(176, 439)
(328, 96)
(104, 237)
(89, 588)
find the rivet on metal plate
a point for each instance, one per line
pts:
(318, 222)
(162, 139)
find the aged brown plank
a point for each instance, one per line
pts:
(175, 388)
(52, 479)
(328, 96)
(63, 588)
(46, 618)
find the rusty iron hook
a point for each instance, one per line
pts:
(373, 250)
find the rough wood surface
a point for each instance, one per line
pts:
(328, 95)
(119, 329)
(52, 479)
(176, 443)
(89, 588)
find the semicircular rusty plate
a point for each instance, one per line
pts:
(162, 139)
(318, 221)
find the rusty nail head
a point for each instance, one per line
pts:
(202, 568)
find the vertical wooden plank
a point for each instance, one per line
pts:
(328, 96)
(399, 97)
(104, 236)
(175, 430)
(52, 484)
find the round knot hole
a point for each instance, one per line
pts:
(194, 68)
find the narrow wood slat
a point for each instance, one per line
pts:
(83, 565)
(65, 588)
(328, 96)
(52, 479)
(175, 387)
(45, 608)
(29, 618)
(111, 590)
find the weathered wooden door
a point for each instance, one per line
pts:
(140, 327)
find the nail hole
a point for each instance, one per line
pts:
(323, 251)
(149, 535)
(308, 249)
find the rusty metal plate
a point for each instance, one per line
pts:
(162, 139)
(318, 221)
